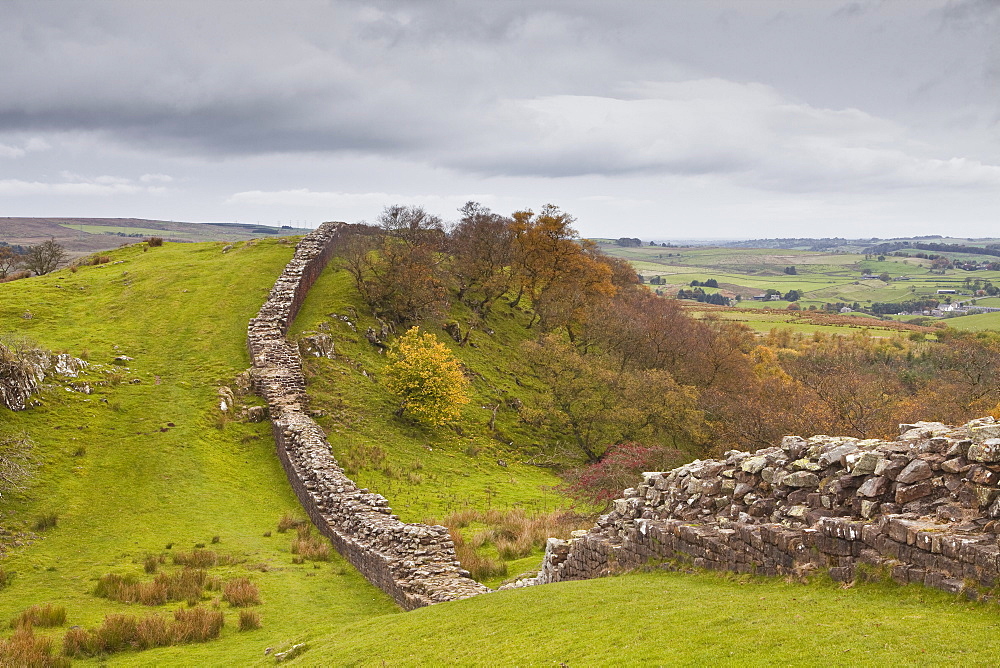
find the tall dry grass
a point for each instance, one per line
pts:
(241, 593)
(188, 585)
(43, 615)
(24, 648)
(309, 546)
(121, 632)
(513, 533)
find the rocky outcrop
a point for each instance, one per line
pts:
(924, 508)
(413, 563)
(23, 369)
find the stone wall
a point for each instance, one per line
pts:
(923, 508)
(413, 563)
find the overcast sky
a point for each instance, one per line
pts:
(659, 119)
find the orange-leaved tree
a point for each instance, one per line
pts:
(427, 378)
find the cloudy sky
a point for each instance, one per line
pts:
(660, 119)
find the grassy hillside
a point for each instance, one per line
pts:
(85, 235)
(429, 473)
(134, 468)
(678, 619)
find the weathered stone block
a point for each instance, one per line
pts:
(907, 493)
(987, 451)
(915, 471)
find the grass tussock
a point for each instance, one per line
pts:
(309, 546)
(513, 533)
(200, 558)
(186, 585)
(196, 625)
(24, 648)
(249, 620)
(241, 593)
(152, 562)
(121, 632)
(46, 521)
(289, 521)
(43, 615)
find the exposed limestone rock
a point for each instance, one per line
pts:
(317, 345)
(23, 369)
(414, 563)
(227, 402)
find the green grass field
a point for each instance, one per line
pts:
(114, 229)
(822, 278)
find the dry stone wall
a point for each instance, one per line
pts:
(923, 508)
(413, 563)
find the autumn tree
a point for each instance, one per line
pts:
(427, 378)
(9, 261)
(481, 250)
(44, 257)
(598, 405)
(396, 265)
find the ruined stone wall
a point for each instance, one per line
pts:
(413, 563)
(922, 508)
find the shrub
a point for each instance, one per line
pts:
(155, 241)
(427, 378)
(249, 620)
(620, 467)
(99, 259)
(22, 648)
(241, 593)
(40, 615)
(16, 276)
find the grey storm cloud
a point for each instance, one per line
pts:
(773, 95)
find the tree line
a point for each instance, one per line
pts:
(631, 373)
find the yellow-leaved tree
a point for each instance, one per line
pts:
(427, 378)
